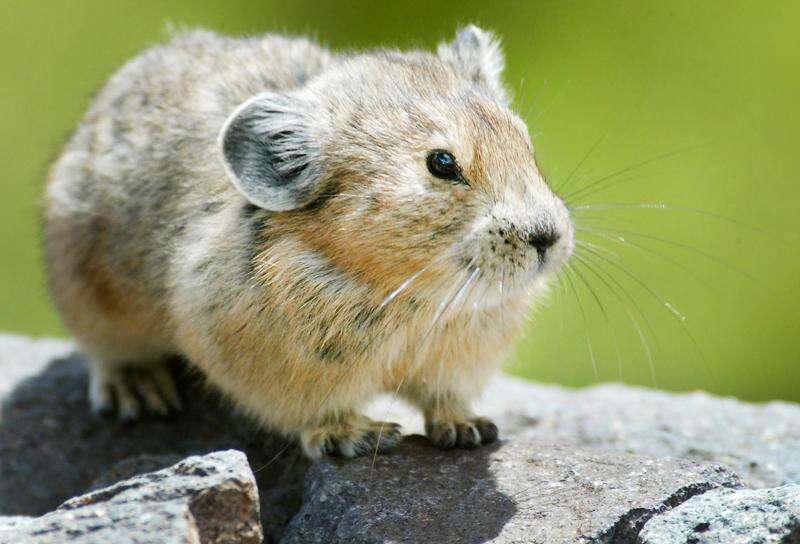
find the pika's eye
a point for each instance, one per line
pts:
(443, 165)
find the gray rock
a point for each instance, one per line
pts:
(133, 466)
(760, 442)
(208, 499)
(22, 357)
(517, 491)
(725, 516)
(11, 522)
(52, 448)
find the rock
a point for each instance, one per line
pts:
(519, 491)
(52, 448)
(725, 516)
(208, 499)
(22, 357)
(10, 522)
(760, 442)
(133, 466)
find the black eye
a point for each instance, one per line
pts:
(443, 165)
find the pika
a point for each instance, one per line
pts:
(308, 228)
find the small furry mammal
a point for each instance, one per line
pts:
(308, 228)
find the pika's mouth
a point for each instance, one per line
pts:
(518, 260)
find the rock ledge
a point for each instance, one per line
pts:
(608, 464)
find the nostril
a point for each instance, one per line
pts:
(542, 241)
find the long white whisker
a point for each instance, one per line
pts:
(603, 311)
(598, 184)
(574, 171)
(631, 317)
(644, 251)
(674, 312)
(664, 206)
(568, 269)
(443, 306)
(691, 249)
(403, 286)
(459, 296)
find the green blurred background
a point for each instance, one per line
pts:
(710, 91)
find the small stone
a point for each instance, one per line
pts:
(43, 465)
(725, 516)
(171, 505)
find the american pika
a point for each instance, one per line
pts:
(308, 228)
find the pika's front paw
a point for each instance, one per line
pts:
(135, 391)
(350, 437)
(461, 434)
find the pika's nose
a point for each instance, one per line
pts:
(542, 240)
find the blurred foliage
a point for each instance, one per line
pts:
(694, 104)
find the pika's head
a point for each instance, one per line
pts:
(396, 165)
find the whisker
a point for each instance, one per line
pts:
(563, 286)
(459, 296)
(274, 458)
(634, 322)
(694, 250)
(630, 299)
(540, 113)
(443, 306)
(403, 286)
(600, 306)
(569, 269)
(664, 206)
(334, 195)
(598, 185)
(574, 171)
(584, 243)
(638, 176)
(645, 250)
(470, 281)
(561, 309)
(580, 218)
(674, 312)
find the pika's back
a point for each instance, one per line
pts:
(160, 114)
(143, 163)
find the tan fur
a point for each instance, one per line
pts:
(151, 249)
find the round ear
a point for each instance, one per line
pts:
(271, 150)
(477, 54)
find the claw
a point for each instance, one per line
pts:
(136, 389)
(351, 438)
(467, 434)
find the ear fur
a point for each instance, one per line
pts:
(270, 146)
(476, 53)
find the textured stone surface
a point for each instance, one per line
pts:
(210, 499)
(52, 448)
(518, 491)
(725, 516)
(10, 522)
(760, 442)
(22, 357)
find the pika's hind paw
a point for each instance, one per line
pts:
(461, 434)
(136, 390)
(350, 437)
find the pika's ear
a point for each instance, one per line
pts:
(477, 54)
(271, 150)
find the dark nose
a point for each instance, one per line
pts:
(542, 240)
